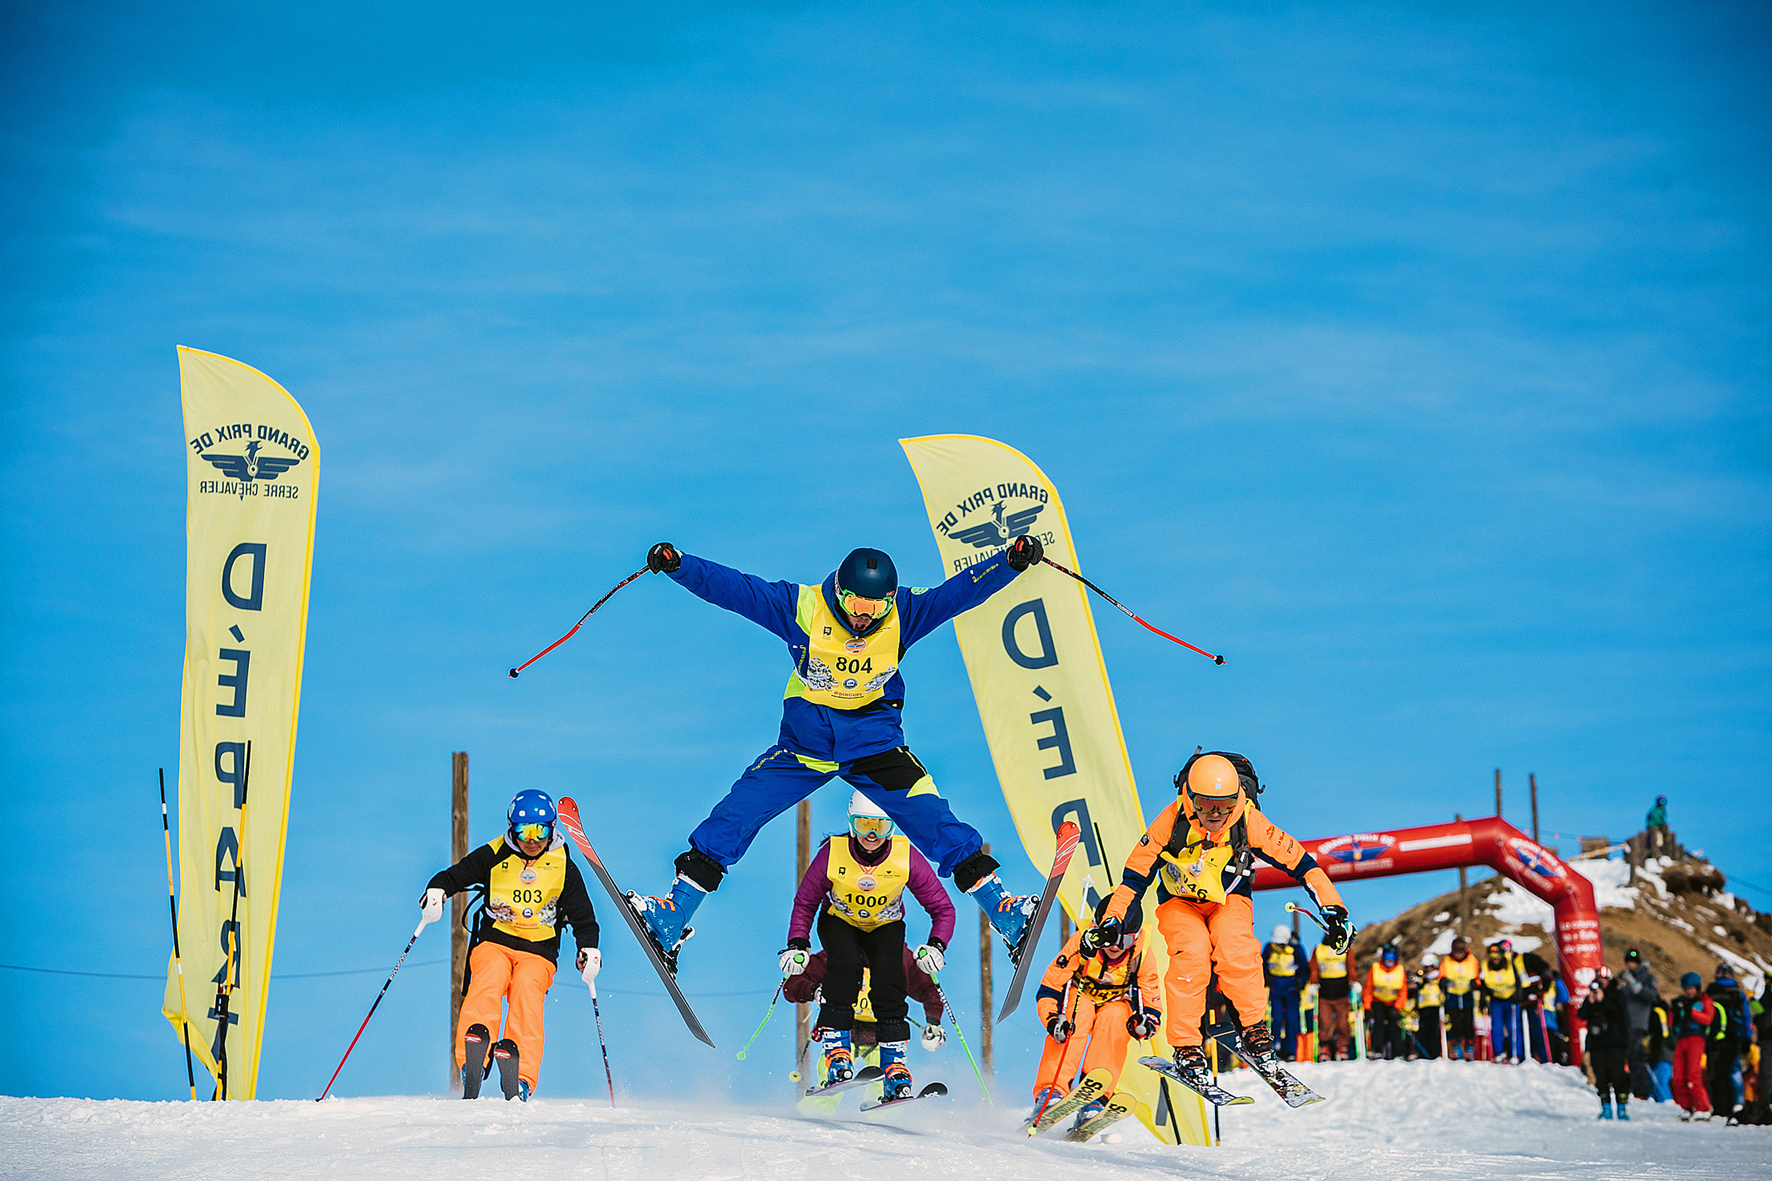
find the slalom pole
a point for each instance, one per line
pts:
(605, 1045)
(579, 624)
(373, 1007)
(766, 1017)
(955, 1022)
(177, 961)
(1129, 614)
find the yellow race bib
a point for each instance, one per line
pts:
(843, 670)
(867, 896)
(1198, 873)
(523, 894)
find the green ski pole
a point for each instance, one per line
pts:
(766, 1018)
(955, 1021)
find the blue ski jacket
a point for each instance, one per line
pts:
(790, 611)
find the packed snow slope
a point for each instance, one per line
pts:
(1383, 1120)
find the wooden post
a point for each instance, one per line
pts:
(1498, 791)
(1464, 906)
(458, 934)
(984, 986)
(802, 859)
(1064, 926)
(1532, 779)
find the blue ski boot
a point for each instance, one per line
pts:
(1605, 1111)
(839, 1064)
(666, 919)
(1008, 913)
(1623, 1112)
(897, 1083)
(1088, 1112)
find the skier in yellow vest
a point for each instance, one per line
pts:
(531, 884)
(1458, 983)
(1284, 970)
(1329, 974)
(1428, 999)
(1503, 982)
(1385, 995)
(855, 887)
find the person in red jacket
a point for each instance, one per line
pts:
(1692, 1015)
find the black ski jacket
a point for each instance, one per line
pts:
(1608, 1022)
(573, 908)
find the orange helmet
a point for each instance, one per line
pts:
(1213, 775)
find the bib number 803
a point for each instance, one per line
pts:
(523, 896)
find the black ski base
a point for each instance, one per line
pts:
(932, 1091)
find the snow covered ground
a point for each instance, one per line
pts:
(1383, 1121)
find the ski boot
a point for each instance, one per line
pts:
(1624, 1110)
(1008, 913)
(505, 1054)
(897, 1083)
(477, 1042)
(1089, 1111)
(1043, 1098)
(666, 919)
(839, 1063)
(1605, 1111)
(1195, 1070)
(1258, 1047)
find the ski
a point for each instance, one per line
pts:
(1210, 1092)
(1022, 955)
(1093, 1086)
(862, 1077)
(1117, 1109)
(932, 1091)
(1283, 1081)
(568, 812)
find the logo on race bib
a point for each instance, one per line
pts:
(528, 874)
(855, 644)
(865, 882)
(849, 683)
(527, 913)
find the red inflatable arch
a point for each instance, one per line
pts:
(1489, 841)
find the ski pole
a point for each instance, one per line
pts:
(598, 1013)
(1052, 1085)
(579, 624)
(766, 1017)
(955, 1022)
(373, 1007)
(1307, 912)
(177, 962)
(1121, 606)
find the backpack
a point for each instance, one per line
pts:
(1242, 857)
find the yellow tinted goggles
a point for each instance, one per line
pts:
(856, 605)
(1213, 807)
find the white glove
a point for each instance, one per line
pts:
(432, 904)
(930, 959)
(933, 1037)
(590, 960)
(793, 961)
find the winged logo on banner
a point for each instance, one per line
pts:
(252, 465)
(999, 531)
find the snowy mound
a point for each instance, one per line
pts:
(1383, 1120)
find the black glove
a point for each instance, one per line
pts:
(1025, 551)
(1058, 1028)
(1104, 934)
(1142, 1025)
(1336, 929)
(663, 558)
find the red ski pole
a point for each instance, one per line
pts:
(372, 1008)
(1129, 614)
(581, 622)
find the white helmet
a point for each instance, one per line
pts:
(868, 818)
(1430, 960)
(1282, 933)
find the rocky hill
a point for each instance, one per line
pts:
(1677, 911)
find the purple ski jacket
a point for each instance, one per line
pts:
(924, 886)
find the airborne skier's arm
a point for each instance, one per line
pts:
(1277, 847)
(925, 612)
(769, 605)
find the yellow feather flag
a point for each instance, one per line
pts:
(253, 467)
(1048, 711)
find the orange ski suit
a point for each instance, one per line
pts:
(500, 972)
(1204, 909)
(1099, 998)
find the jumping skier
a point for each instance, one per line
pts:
(855, 887)
(1201, 851)
(530, 883)
(840, 716)
(1091, 1004)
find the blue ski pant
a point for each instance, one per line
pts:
(1504, 1030)
(893, 779)
(1286, 1023)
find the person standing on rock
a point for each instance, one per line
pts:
(1638, 984)
(1660, 840)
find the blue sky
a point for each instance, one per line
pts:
(1414, 356)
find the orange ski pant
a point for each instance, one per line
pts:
(501, 973)
(1203, 936)
(1099, 1040)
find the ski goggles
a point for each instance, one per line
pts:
(873, 828)
(532, 832)
(857, 605)
(1212, 807)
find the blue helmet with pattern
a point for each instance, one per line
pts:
(532, 815)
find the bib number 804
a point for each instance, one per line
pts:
(847, 665)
